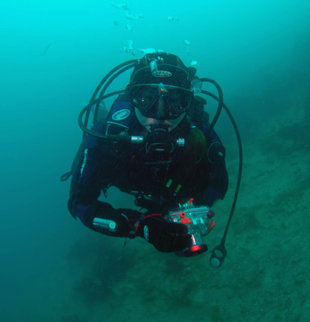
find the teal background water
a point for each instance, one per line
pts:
(53, 54)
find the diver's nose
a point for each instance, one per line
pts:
(161, 111)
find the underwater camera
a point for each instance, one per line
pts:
(199, 221)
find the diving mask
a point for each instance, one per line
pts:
(147, 97)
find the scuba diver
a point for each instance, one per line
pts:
(155, 143)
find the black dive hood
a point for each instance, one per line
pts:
(157, 68)
(162, 68)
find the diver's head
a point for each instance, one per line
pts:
(160, 90)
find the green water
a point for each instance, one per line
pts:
(53, 54)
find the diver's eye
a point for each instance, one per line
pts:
(143, 94)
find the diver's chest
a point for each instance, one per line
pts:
(166, 179)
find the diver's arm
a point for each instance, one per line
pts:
(217, 187)
(91, 173)
(217, 177)
(97, 215)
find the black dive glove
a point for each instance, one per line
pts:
(166, 236)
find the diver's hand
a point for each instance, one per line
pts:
(166, 236)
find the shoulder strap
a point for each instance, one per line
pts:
(117, 120)
(120, 116)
